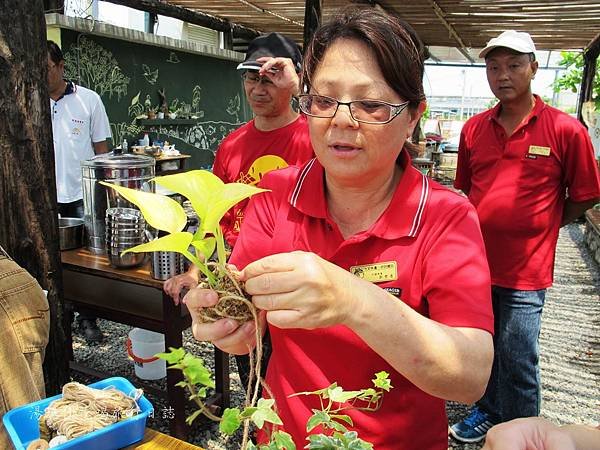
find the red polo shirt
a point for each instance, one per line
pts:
(519, 183)
(429, 235)
(248, 153)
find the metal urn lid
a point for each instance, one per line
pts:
(121, 160)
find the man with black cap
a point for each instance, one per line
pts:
(529, 169)
(275, 138)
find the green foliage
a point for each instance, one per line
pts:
(334, 399)
(573, 62)
(210, 198)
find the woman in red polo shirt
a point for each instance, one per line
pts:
(358, 261)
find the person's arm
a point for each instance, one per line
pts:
(574, 210)
(540, 434)
(100, 147)
(302, 290)
(585, 437)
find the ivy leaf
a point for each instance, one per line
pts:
(173, 356)
(283, 440)
(343, 418)
(230, 422)
(196, 372)
(264, 413)
(382, 381)
(337, 394)
(322, 442)
(160, 211)
(318, 418)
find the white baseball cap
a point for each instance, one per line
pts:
(515, 40)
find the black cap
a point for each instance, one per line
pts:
(272, 44)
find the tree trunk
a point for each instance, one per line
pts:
(28, 215)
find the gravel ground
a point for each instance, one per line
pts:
(569, 346)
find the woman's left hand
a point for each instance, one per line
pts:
(302, 290)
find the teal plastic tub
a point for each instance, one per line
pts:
(22, 423)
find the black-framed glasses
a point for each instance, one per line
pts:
(253, 78)
(365, 111)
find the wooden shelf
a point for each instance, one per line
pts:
(167, 122)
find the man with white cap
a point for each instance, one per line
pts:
(529, 169)
(277, 137)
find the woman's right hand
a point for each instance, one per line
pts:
(226, 334)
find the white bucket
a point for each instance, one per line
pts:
(142, 345)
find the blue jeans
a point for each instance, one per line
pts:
(514, 387)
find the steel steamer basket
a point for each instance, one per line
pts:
(133, 171)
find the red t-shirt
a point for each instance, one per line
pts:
(429, 236)
(247, 154)
(519, 183)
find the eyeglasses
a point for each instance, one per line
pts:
(252, 78)
(365, 111)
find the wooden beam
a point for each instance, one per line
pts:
(312, 19)
(29, 213)
(442, 16)
(190, 16)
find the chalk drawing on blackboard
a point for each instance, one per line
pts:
(196, 96)
(233, 107)
(173, 58)
(150, 75)
(136, 108)
(94, 67)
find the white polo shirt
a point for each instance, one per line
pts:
(78, 119)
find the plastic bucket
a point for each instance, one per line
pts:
(142, 345)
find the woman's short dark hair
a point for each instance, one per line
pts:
(398, 50)
(55, 52)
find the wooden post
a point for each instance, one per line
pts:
(28, 216)
(312, 19)
(590, 57)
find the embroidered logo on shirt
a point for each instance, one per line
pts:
(376, 273)
(537, 150)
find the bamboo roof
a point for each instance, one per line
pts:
(465, 25)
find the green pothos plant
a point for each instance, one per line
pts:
(211, 199)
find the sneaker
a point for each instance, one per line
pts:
(90, 331)
(473, 428)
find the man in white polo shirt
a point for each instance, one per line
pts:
(80, 128)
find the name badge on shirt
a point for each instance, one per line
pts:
(377, 272)
(537, 150)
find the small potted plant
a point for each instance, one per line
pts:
(152, 113)
(173, 111)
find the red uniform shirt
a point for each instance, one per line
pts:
(429, 236)
(519, 183)
(247, 153)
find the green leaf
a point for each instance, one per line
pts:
(173, 356)
(161, 212)
(338, 395)
(196, 372)
(283, 440)
(230, 422)
(318, 418)
(264, 413)
(343, 417)
(382, 381)
(198, 186)
(322, 442)
(205, 247)
(174, 242)
(223, 200)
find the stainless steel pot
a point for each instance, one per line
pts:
(70, 232)
(133, 171)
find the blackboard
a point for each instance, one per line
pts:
(128, 76)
